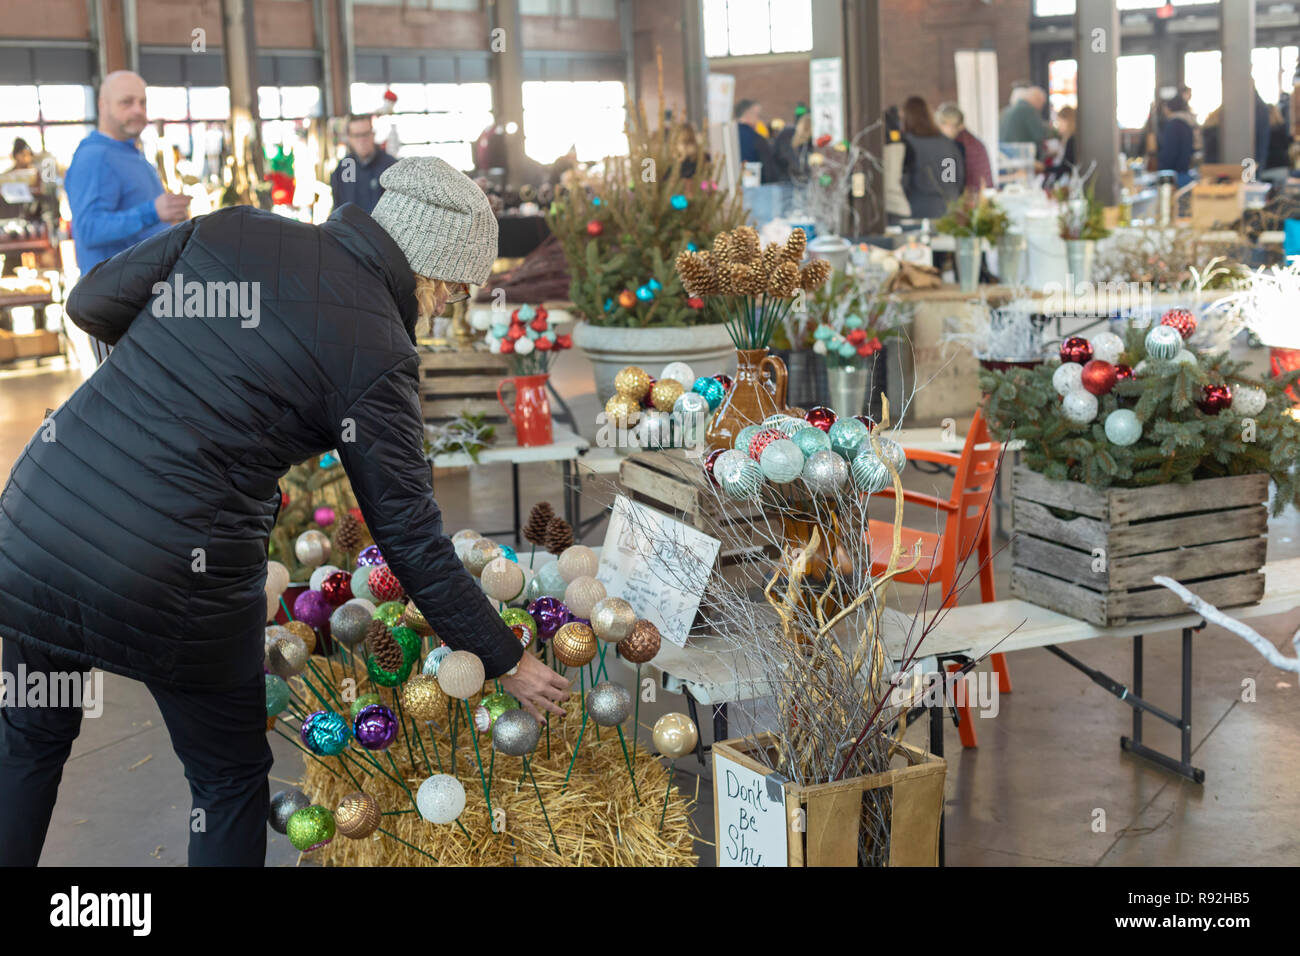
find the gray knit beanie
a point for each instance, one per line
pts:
(441, 220)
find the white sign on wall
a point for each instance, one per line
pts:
(750, 816)
(826, 86)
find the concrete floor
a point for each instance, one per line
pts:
(1030, 794)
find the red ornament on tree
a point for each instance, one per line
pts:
(1076, 349)
(515, 332)
(1214, 399)
(542, 313)
(821, 417)
(564, 341)
(337, 588)
(507, 346)
(356, 513)
(708, 464)
(626, 299)
(1099, 377)
(594, 228)
(383, 584)
(871, 426)
(284, 499)
(1181, 320)
(725, 379)
(695, 302)
(1123, 372)
(761, 441)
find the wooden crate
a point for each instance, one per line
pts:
(1209, 535)
(828, 830)
(453, 383)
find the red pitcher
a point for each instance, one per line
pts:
(531, 414)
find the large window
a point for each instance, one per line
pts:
(1065, 8)
(52, 118)
(549, 129)
(193, 121)
(1135, 78)
(430, 119)
(749, 27)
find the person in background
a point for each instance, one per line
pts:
(356, 178)
(933, 172)
(754, 147)
(22, 154)
(1022, 121)
(1177, 141)
(114, 192)
(952, 123)
(892, 157)
(1064, 159)
(1261, 131)
(686, 149)
(792, 146)
(1210, 136)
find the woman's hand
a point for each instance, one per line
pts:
(537, 687)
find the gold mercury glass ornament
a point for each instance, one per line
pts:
(357, 815)
(675, 735)
(574, 644)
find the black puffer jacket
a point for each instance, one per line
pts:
(176, 443)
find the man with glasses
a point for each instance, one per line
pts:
(356, 178)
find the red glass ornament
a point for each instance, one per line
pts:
(1214, 399)
(542, 313)
(1076, 349)
(337, 588)
(876, 345)
(864, 349)
(507, 346)
(1099, 377)
(821, 417)
(538, 324)
(725, 379)
(1123, 372)
(1181, 320)
(515, 333)
(857, 336)
(514, 316)
(564, 341)
(543, 344)
(356, 513)
(871, 426)
(594, 228)
(646, 401)
(695, 302)
(383, 584)
(708, 464)
(761, 441)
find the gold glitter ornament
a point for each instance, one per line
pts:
(357, 816)
(305, 631)
(675, 735)
(574, 645)
(423, 698)
(665, 393)
(612, 619)
(461, 674)
(633, 382)
(622, 410)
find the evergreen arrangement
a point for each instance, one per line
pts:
(973, 217)
(1180, 442)
(622, 232)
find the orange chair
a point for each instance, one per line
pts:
(967, 533)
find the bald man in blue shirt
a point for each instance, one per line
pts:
(115, 194)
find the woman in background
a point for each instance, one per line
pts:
(934, 173)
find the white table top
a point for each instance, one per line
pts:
(567, 445)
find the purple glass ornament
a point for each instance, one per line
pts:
(312, 609)
(369, 556)
(375, 727)
(551, 614)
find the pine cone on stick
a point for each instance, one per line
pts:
(539, 520)
(347, 534)
(559, 536)
(385, 650)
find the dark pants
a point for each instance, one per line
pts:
(220, 737)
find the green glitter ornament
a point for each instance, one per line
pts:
(496, 705)
(409, 642)
(311, 828)
(517, 615)
(390, 612)
(386, 678)
(361, 703)
(277, 695)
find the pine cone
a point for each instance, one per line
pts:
(385, 650)
(745, 245)
(784, 280)
(347, 534)
(559, 536)
(722, 247)
(814, 274)
(539, 519)
(771, 258)
(795, 245)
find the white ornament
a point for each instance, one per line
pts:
(523, 346)
(481, 319)
(493, 344)
(440, 799)
(679, 371)
(1247, 400)
(1107, 346)
(311, 548)
(1123, 427)
(1079, 406)
(819, 347)
(1068, 378)
(1185, 357)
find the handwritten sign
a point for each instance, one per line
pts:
(750, 816)
(658, 565)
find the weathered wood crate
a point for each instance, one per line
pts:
(453, 383)
(1091, 553)
(824, 820)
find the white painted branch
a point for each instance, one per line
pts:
(1254, 638)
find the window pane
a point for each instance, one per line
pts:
(1062, 83)
(1201, 72)
(1290, 56)
(299, 101)
(1264, 67)
(59, 103)
(166, 103)
(458, 155)
(415, 127)
(549, 130)
(791, 26)
(1136, 81)
(178, 135)
(476, 97)
(715, 27)
(367, 97)
(1053, 8)
(62, 141)
(210, 102)
(747, 27)
(411, 97)
(598, 9)
(268, 102)
(19, 104)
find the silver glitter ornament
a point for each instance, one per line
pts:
(349, 621)
(891, 451)
(284, 805)
(825, 473)
(612, 619)
(737, 474)
(609, 704)
(1081, 407)
(287, 656)
(515, 733)
(870, 474)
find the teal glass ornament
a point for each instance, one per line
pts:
(390, 612)
(745, 436)
(822, 333)
(433, 659)
(277, 695)
(781, 462)
(870, 474)
(527, 313)
(508, 553)
(551, 581)
(325, 733)
(679, 202)
(499, 330)
(645, 293)
(847, 436)
(692, 247)
(1163, 342)
(712, 390)
(811, 440)
(361, 583)
(609, 307)
(854, 322)
(655, 284)
(738, 475)
(789, 427)
(329, 460)
(595, 200)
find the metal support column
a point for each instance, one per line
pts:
(694, 63)
(1237, 128)
(864, 60)
(507, 66)
(1096, 48)
(239, 45)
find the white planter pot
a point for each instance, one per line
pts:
(707, 349)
